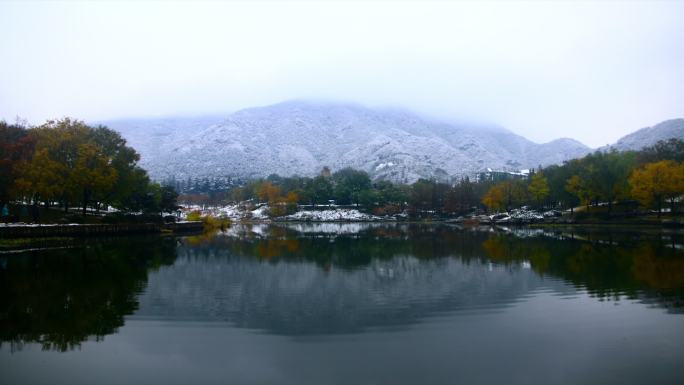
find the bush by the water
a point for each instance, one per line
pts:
(210, 222)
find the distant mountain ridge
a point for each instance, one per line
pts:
(648, 136)
(299, 138)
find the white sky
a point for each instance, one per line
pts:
(590, 71)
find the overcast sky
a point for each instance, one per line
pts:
(590, 71)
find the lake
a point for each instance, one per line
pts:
(347, 303)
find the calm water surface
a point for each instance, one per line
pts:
(347, 304)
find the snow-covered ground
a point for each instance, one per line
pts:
(233, 212)
(22, 224)
(260, 213)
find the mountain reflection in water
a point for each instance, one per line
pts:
(324, 279)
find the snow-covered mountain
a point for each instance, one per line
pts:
(649, 136)
(301, 137)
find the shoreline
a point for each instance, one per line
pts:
(93, 230)
(9, 231)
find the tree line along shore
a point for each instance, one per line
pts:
(63, 164)
(604, 185)
(48, 170)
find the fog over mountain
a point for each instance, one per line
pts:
(300, 137)
(592, 70)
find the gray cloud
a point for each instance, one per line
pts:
(591, 71)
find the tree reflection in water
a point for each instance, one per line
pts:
(274, 277)
(607, 265)
(61, 297)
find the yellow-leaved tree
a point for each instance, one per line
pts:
(657, 182)
(539, 188)
(268, 192)
(495, 198)
(40, 178)
(74, 163)
(504, 195)
(278, 204)
(576, 186)
(92, 173)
